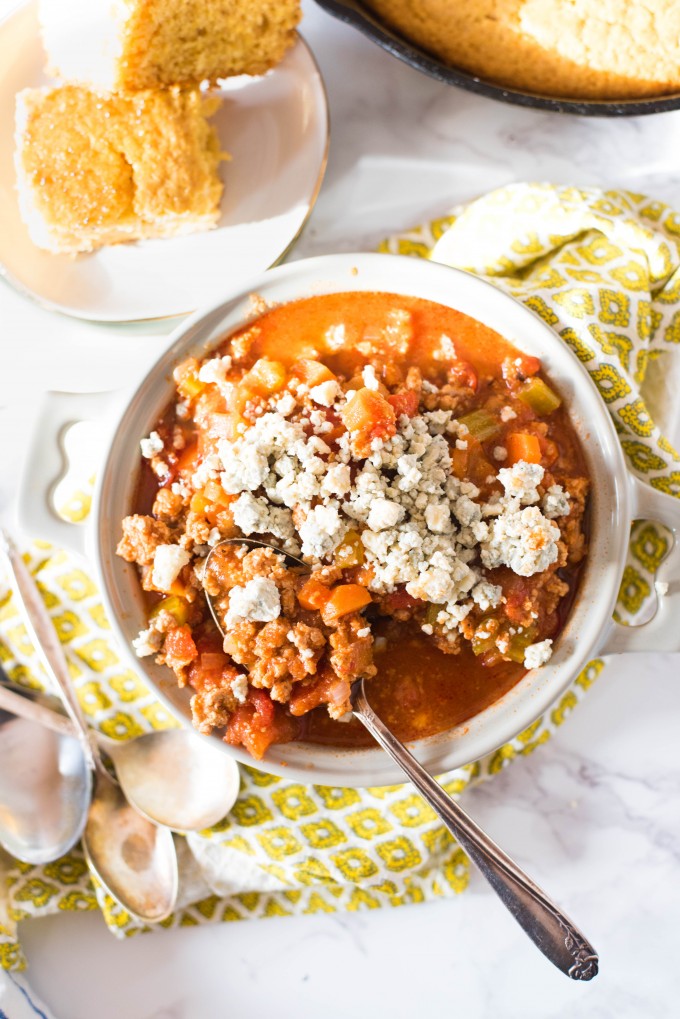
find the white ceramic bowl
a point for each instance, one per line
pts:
(617, 498)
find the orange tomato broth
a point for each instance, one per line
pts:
(303, 324)
(419, 690)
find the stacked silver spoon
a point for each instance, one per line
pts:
(55, 786)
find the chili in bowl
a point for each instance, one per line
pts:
(438, 458)
(428, 475)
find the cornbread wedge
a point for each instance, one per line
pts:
(140, 44)
(96, 168)
(590, 49)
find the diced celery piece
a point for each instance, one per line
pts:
(432, 612)
(519, 642)
(484, 637)
(481, 424)
(539, 396)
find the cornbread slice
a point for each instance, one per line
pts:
(96, 168)
(139, 44)
(590, 49)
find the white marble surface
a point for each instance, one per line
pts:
(594, 816)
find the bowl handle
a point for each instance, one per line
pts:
(662, 632)
(45, 463)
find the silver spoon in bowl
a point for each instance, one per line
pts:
(172, 777)
(133, 858)
(545, 923)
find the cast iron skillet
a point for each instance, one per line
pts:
(352, 12)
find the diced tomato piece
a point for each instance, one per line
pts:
(517, 592)
(263, 705)
(256, 726)
(328, 689)
(179, 647)
(520, 367)
(549, 451)
(405, 401)
(400, 600)
(461, 373)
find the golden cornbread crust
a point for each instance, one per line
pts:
(168, 42)
(98, 168)
(582, 49)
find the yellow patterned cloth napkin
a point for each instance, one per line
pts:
(602, 268)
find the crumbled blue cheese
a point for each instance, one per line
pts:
(258, 601)
(384, 513)
(148, 642)
(537, 654)
(239, 688)
(322, 530)
(370, 378)
(524, 540)
(215, 370)
(486, 595)
(500, 453)
(151, 446)
(507, 414)
(326, 393)
(555, 502)
(521, 480)
(168, 561)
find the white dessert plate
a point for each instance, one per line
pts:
(276, 130)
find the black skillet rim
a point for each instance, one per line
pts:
(352, 13)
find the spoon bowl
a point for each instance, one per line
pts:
(45, 790)
(133, 858)
(172, 777)
(249, 543)
(176, 779)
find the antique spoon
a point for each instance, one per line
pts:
(171, 776)
(547, 926)
(132, 858)
(45, 787)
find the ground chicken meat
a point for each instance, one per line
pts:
(141, 537)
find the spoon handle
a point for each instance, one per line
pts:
(46, 641)
(22, 707)
(547, 926)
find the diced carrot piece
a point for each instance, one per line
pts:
(369, 414)
(459, 463)
(313, 373)
(523, 446)
(313, 594)
(345, 598)
(265, 376)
